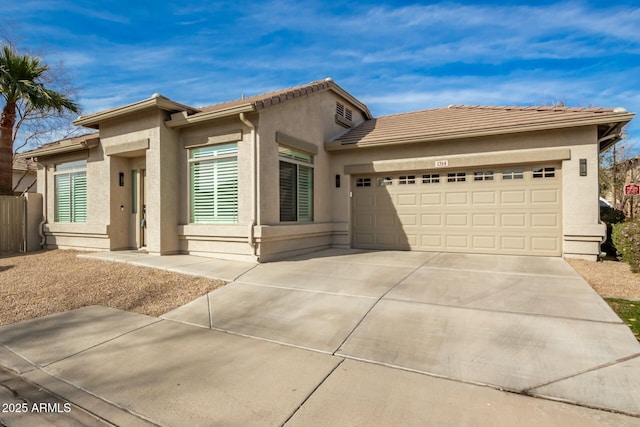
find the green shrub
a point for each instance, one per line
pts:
(626, 238)
(610, 216)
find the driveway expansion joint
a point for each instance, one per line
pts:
(529, 391)
(376, 303)
(312, 392)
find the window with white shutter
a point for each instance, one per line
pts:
(296, 185)
(70, 182)
(213, 181)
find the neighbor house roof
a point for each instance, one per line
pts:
(258, 102)
(460, 121)
(21, 164)
(63, 146)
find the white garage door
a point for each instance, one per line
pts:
(506, 210)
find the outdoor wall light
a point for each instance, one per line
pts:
(121, 179)
(337, 181)
(583, 167)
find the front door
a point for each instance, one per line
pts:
(139, 207)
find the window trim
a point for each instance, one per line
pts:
(299, 162)
(512, 174)
(213, 158)
(70, 168)
(456, 177)
(542, 172)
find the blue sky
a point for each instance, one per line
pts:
(394, 56)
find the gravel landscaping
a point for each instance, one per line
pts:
(46, 282)
(612, 279)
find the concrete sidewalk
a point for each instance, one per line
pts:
(159, 372)
(347, 338)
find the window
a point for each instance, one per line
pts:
(407, 179)
(431, 178)
(296, 185)
(513, 174)
(383, 182)
(483, 176)
(544, 172)
(213, 174)
(363, 182)
(456, 177)
(71, 191)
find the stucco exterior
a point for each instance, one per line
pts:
(142, 160)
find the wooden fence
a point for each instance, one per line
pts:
(12, 224)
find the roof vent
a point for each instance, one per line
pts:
(155, 95)
(620, 110)
(328, 79)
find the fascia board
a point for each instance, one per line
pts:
(209, 115)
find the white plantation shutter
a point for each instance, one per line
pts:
(214, 184)
(71, 197)
(305, 193)
(63, 198)
(79, 197)
(296, 185)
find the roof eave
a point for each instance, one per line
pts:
(622, 119)
(60, 149)
(156, 101)
(183, 120)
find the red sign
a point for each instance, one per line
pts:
(632, 189)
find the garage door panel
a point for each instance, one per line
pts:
(509, 243)
(363, 219)
(456, 220)
(544, 196)
(458, 198)
(506, 216)
(484, 220)
(511, 197)
(407, 200)
(431, 220)
(485, 243)
(544, 220)
(513, 219)
(457, 241)
(386, 219)
(408, 219)
(431, 241)
(483, 198)
(430, 199)
(550, 243)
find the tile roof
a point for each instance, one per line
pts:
(20, 164)
(272, 98)
(63, 145)
(459, 121)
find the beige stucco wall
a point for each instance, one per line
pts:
(226, 240)
(92, 235)
(312, 120)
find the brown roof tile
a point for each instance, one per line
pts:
(465, 121)
(271, 98)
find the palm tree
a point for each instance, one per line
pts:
(21, 80)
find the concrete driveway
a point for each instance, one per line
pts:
(345, 337)
(525, 324)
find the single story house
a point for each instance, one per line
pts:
(307, 168)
